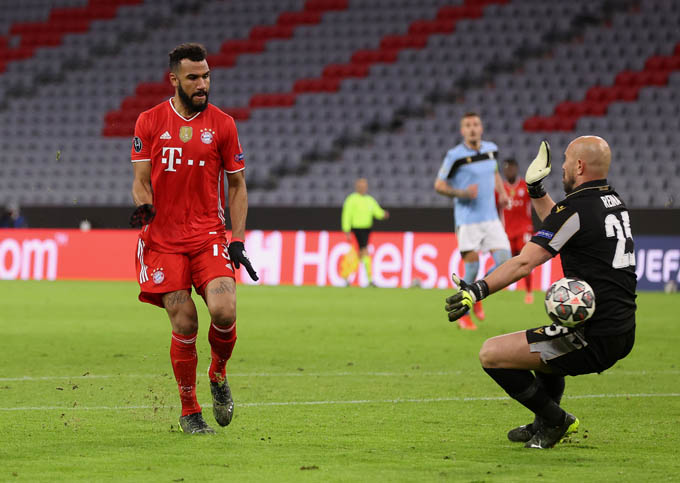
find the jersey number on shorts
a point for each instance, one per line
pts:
(225, 254)
(615, 228)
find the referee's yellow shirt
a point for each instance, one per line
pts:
(359, 210)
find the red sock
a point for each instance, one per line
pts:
(222, 341)
(527, 280)
(184, 361)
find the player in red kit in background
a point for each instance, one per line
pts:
(180, 152)
(517, 215)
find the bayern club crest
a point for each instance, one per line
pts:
(207, 136)
(158, 276)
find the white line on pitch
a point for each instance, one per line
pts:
(305, 374)
(321, 403)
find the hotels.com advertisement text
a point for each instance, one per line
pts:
(400, 259)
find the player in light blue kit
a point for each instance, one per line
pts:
(469, 175)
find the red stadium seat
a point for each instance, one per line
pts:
(346, 70)
(658, 78)
(460, 11)
(569, 108)
(272, 100)
(264, 32)
(37, 39)
(629, 93)
(626, 78)
(238, 113)
(154, 89)
(407, 41)
(428, 27)
(322, 5)
(16, 54)
(533, 124)
(299, 18)
(221, 60)
(594, 108)
(375, 56)
(565, 123)
(322, 84)
(245, 46)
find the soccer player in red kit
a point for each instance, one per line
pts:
(517, 215)
(180, 152)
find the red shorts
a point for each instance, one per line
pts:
(518, 242)
(160, 273)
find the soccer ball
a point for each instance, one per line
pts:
(570, 301)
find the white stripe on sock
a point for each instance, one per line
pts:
(224, 331)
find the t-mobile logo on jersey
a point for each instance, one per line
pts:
(174, 158)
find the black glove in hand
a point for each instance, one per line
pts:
(142, 215)
(462, 301)
(238, 256)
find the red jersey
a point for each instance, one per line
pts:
(517, 214)
(188, 159)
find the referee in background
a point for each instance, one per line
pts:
(358, 212)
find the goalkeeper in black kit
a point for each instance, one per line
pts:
(591, 231)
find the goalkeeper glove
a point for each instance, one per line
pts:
(462, 301)
(142, 215)
(238, 256)
(537, 170)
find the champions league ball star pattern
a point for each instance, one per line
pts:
(570, 301)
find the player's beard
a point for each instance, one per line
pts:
(567, 182)
(188, 101)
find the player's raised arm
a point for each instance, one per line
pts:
(537, 170)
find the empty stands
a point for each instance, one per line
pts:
(316, 87)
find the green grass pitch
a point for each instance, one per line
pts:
(330, 385)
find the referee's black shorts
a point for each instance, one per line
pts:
(361, 234)
(573, 352)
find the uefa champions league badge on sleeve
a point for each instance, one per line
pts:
(137, 144)
(158, 276)
(207, 136)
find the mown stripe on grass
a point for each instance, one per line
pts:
(333, 402)
(302, 374)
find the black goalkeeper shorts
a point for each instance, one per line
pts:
(361, 234)
(572, 352)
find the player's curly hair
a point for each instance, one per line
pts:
(190, 50)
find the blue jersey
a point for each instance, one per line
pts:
(482, 173)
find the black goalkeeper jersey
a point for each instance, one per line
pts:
(590, 229)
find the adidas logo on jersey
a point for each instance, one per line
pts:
(166, 135)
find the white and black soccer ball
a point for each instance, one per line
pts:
(570, 301)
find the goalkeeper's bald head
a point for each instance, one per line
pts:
(587, 158)
(594, 152)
